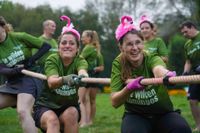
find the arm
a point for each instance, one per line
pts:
(164, 58)
(83, 72)
(118, 98)
(159, 71)
(43, 50)
(99, 68)
(7, 71)
(187, 66)
(54, 81)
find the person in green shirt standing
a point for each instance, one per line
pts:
(19, 90)
(57, 108)
(147, 108)
(87, 96)
(49, 27)
(154, 45)
(192, 66)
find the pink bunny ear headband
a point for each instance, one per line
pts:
(125, 26)
(144, 18)
(69, 27)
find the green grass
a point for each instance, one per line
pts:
(107, 118)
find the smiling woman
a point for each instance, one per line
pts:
(147, 108)
(72, 4)
(58, 102)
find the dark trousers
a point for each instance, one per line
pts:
(168, 123)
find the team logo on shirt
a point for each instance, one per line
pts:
(144, 97)
(65, 90)
(13, 58)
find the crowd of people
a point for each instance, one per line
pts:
(63, 103)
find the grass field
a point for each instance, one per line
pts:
(107, 118)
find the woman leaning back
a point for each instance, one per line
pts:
(148, 109)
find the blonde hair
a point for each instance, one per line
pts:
(94, 39)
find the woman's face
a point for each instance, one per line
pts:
(132, 47)
(68, 46)
(85, 39)
(146, 30)
(2, 34)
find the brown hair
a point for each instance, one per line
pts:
(127, 68)
(5, 25)
(94, 39)
(70, 33)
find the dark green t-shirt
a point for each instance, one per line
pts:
(54, 49)
(89, 52)
(17, 47)
(157, 47)
(192, 51)
(154, 99)
(64, 95)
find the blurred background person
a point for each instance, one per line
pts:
(192, 66)
(152, 43)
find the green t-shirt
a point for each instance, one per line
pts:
(54, 49)
(17, 47)
(89, 52)
(156, 47)
(154, 99)
(64, 95)
(192, 51)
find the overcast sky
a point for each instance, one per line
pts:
(72, 4)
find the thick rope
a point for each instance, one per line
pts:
(192, 79)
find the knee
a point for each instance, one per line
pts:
(53, 121)
(23, 114)
(93, 100)
(70, 116)
(83, 100)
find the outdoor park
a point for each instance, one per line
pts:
(103, 17)
(107, 119)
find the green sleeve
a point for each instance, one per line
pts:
(162, 50)
(186, 49)
(116, 81)
(87, 51)
(51, 67)
(82, 64)
(29, 40)
(156, 61)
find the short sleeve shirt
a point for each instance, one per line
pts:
(64, 95)
(89, 52)
(192, 51)
(154, 99)
(17, 47)
(157, 47)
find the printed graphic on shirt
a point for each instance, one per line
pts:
(14, 57)
(144, 97)
(65, 90)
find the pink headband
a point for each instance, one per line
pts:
(125, 26)
(69, 27)
(144, 18)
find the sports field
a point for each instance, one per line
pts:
(107, 118)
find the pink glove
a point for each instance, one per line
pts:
(135, 84)
(167, 76)
(171, 74)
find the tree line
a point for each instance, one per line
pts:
(103, 16)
